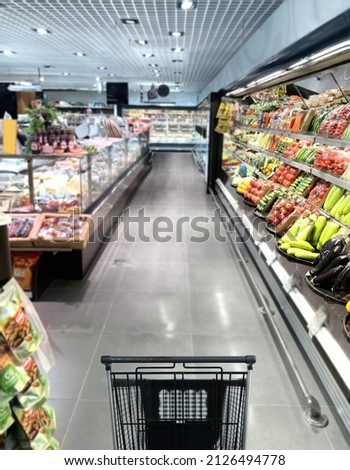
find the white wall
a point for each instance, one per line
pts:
(290, 22)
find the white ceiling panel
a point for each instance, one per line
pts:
(213, 32)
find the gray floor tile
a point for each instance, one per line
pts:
(169, 198)
(156, 278)
(209, 252)
(225, 313)
(63, 410)
(145, 313)
(73, 352)
(90, 428)
(207, 278)
(283, 427)
(168, 344)
(270, 384)
(85, 294)
(112, 274)
(159, 252)
(78, 317)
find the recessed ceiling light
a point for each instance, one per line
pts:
(65, 74)
(41, 31)
(41, 79)
(148, 56)
(177, 49)
(129, 21)
(176, 60)
(141, 42)
(102, 68)
(111, 74)
(80, 54)
(8, 52)
(186, 5)
(157, 74)
(176, 34)
(153, 65)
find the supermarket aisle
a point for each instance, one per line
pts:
(182, 297)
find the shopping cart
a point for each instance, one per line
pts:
(179, 402)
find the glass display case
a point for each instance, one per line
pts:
(168, 125)
(201, 139)
(67, 182)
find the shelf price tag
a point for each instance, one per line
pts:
(317, 322)
(271, 257)
(295, 280)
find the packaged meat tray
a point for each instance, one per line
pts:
(63, 231)
(23, 229)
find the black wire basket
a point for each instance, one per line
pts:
(182, 405)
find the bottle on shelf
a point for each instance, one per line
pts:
(41, 189)
(35, 145)
(71, 140)
(63, 140)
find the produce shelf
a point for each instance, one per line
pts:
(323, 342)
(252, 167)
(299, 165)
(306, 136)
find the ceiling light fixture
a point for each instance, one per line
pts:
(42, 31)
(177, 60)
(186, 5)
(176, 34)
(48, 66)
(178, 72)
(102, 68)
(65, 74)
(153, 65)
(129, 21)
(8, 52)
(111, 74)
(148, 56)
(80, 54)
(141, 42)
(177, 49)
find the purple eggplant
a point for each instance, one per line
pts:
(341, 260)
(328, 277)
(341, 286)
(331, 249)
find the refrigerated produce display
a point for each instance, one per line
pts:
(285, 175)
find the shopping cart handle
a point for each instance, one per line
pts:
(108, 360)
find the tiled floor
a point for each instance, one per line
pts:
(175, 298)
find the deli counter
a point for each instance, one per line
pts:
(67, 204)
